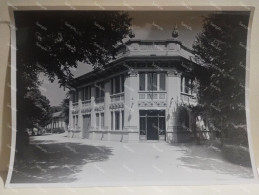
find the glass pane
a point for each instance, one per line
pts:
(154, 81)
(112, 120)
(149, 81)
(102, 89)
(89, 97)
(102, 120)
(142, 125)
(117, 84)
(112, 88)
(161, 113)
(186, 85)
(142, 82)
(122, 83)
(142, 113)
(161, 126)
(122, 112)
(97, 92)
(162, 81)
(117, 120)
(97, 120)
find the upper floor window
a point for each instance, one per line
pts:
(99, 90)
(152, 81)
(117, 84)
(86, 93)
(186, 85)
(75, 96)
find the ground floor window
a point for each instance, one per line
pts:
(117, 120)
(100, 120)
(75, 121)
(97, 120)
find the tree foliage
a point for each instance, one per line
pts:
(52, 43)
(221, 48)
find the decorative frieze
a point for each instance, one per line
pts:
(99, 108)
(152, 103)
(75, 111)
(86, 110)
(117, 105)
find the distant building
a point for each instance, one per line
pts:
(58, 122)
(142, 95)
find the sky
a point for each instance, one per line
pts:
(146, 25)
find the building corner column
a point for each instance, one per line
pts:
(173, 97)
(93, 120)
(131, 111)
(107, 102)
(70, 119)
(80, 116)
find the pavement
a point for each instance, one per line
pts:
(59, 159)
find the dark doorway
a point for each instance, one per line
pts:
(152, 128)
(152, 124)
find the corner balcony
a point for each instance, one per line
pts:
(155, 98)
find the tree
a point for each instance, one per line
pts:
(65, 109)
(221, 48)
(53, 42)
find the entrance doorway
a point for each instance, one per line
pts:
(152, 124)
(86, 125)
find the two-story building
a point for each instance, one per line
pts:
(142, 95)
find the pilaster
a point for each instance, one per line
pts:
(131, 111)
(107, 102)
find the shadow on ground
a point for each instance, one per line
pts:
(55, 162)
(206, 157)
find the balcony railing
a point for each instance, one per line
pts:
(99, 100)
(118, 97)
(75, 105)
(86, 103)
(155, 95)
(188, 98)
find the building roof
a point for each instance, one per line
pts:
(134, 53)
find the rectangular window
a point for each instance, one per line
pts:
(112, 88)
(122, 83)
(122, 118)
(75, 97)
(181, 83)
(142, 82)
(102, 120)
(117, 84)
(152, 81)
(117, 120)
(162, 82)
(187, 86)
(97, 92)
(142, 121)
(97, 120)
(112, 121)
(102, 89)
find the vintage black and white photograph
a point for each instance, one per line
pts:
(117, 98)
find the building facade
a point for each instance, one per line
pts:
(142, 95)
(57, 122)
